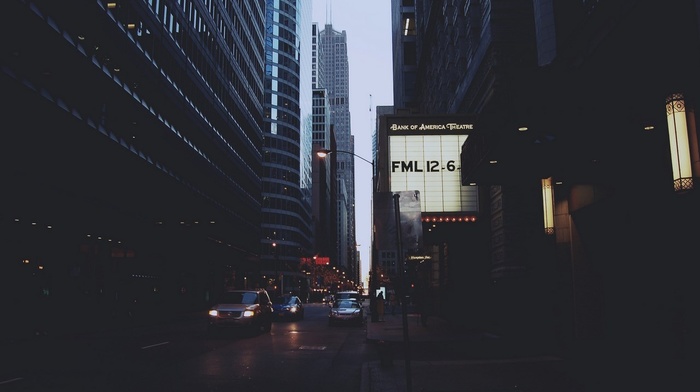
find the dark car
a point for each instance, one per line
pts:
(346, 311)
(288, 307)
(242, 309)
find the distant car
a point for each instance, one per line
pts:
(328, 299)
(242, 309)
(346, 311)
(288, 307)
(348, 294)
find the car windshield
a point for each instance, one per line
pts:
(346, 304)
(238, 297)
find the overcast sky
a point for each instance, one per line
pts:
(368, 27)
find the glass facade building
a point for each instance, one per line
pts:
(286, 209)
(135, 157)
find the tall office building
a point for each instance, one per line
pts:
(131, 172)
(323, 190)
(405, 54)
(573, 249)
(317, 71)
(286, 204)
(334, 75)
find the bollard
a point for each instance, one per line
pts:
(386, 357)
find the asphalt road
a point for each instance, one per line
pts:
(300, 355)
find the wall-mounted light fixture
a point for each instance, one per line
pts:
(683, 141)
(548, 205)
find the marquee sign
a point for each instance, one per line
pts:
(424, 155)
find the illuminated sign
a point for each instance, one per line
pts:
(424, 155)
(317, 260)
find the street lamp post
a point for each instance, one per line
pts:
(373, 279)
(279, 277)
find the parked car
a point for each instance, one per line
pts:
(288, 307)
(346, 311)
(242, 309)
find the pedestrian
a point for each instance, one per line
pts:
(380, 306)
(392, 302)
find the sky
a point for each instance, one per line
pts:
(368, 27)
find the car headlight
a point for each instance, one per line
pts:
(293, 310)
(248, 313)
(214, 313)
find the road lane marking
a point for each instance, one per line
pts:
(154, 345)
(11, 380)
(318, 348)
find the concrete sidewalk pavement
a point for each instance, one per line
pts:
(440, 357)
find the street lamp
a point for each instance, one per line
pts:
(373, 280)
(279, 277)
(322, 153)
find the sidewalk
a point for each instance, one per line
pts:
(444, 358)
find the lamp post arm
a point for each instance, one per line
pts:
(323, 153)
(364, 159)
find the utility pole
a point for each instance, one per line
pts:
(402, 283)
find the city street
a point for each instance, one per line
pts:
(301, 355)
(309, 355)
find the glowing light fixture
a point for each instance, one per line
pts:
(548, 205)
(678, 134)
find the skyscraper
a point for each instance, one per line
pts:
(143, 123)
(286, 204)
(334, 76)
(323, 210)
(405, 58)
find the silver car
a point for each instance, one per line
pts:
(346, 311)
(242, 309)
